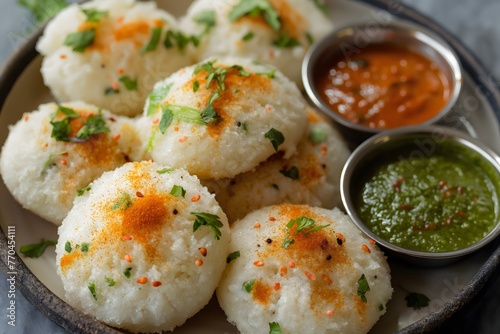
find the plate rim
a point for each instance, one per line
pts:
(74, 321)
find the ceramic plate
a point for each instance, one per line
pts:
(449, 288)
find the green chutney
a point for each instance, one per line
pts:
(436, 203)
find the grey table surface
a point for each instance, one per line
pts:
(474, 22)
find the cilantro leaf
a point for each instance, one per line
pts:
(196, 86)
(321, 6)
(417, 300)
(130, 84)
(43, 10)
(153, 41)
(60, 130)
(292, 173)
(209, 115)
(166, 119)
(248, 285)
(285, 42)
(67, 111)
(94, 124)
(156, 97)
(165, 170)
(304, 225)
(92, 290)
(178, 191)
(363, 288)
(275, 137)
(210, 220)
(80, 40)
(248, 36)
(85, 247)
(123, 203)
(36, 250)
(110, 281)
(232, 256)
(80, 192)
(94, 15)
(274, 328)
(126, 272)
(206, 18)
(178, 39)
(256, 7)
(67, 247)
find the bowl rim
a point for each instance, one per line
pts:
(414, 31)
(379, 141)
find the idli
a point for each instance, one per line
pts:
(303, 270)
(143, 249)
(311, 176)
(222, 117)
(276, 32)
(57, 150)
(110, 53)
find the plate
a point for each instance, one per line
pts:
(449, 288)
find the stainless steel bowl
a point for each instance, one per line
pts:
(422, 140)
(352, 38)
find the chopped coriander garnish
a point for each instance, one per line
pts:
(67, 111)
(67, 247)
(317, 135)
(417, 300)
(286, 42)
(153, 41)
(248, 36)
(254, 8)
(155, 98)
(126, 272)
(232, 256)
(60, 130)
(110, 281)
(209, 115)
(123, 203)
(166, 119)
(271, 74)
(380, 307)
(85, 247)
(43, 11)
(80, 40)
(274, 328)
(36, 250)
(165, 170)
(94, 15)
(304, 225)
(275, 137)
(130, 84)
(241, 71)
(94, 124)
(248, 285)
(309, 38)
(178, 39)
(207, 219)
(178, 191)
(196, 86)
(206, 18)
(80, 192)
(92, 290)
(363, 288)
(321, 6)
(292, 173)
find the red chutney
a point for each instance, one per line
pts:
(384, 86)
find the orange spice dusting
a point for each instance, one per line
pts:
(203, 251)
(258, 263)
(117, 136)
(330, 312)
(69, 259)
(276, 286)
(64, 162)
(127, 258)
(126, 237)
(366, 249)
(291, 264)
(256, 225)
(142, 280)
(283, 271)
(198, 262)
(156, 284)
(372, 242)
(272, 219)
(120, 19)
(326, 279)
(261, 292)
(310, 276)
(195, 198)
(139, 194)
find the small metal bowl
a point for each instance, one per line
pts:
(419, 140)
(356, 37)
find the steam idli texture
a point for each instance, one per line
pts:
(56, 150)
(143, 249)
(277, 32)
(304, 270)
(223, 117)
(311, 176)
(110, 53)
